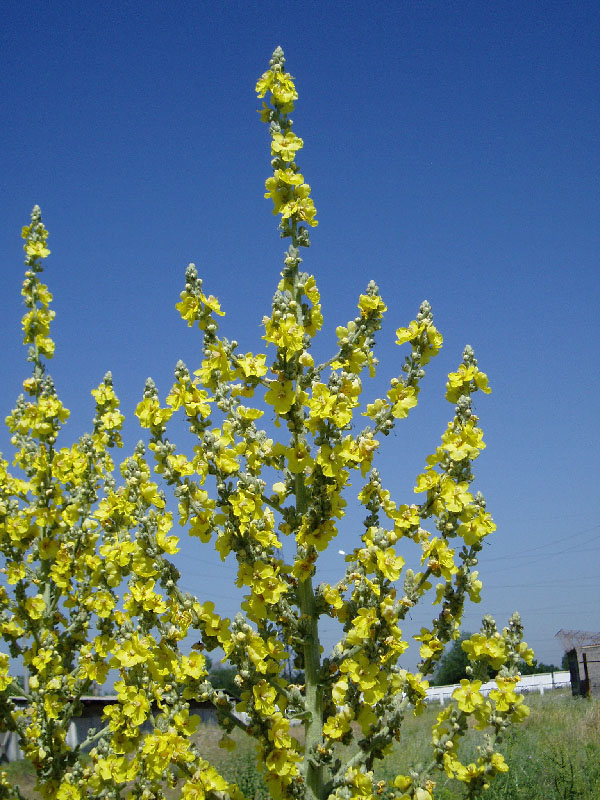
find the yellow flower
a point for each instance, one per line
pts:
(526, 653)
(455, 495)
(281, 396)
(5, 679)
(299, 457)
(335, 727)
(426, 481)
(282, 762)
(132, 651)
(409, 334)
(264, 83)
(332, 596)
(279, 730)
(402, 782)
(432, 345)
(371, 305)
(361, 626)
(480, 648)
(431, 644)
(15, 572)
(286, 145)
(264, 697)
(498, 763)
(68, 791)
(475, 525)
(135, 703)
(251, 366)
(389, 564)
(361, 671)
(35, 606)
(280, 84)
(143, 594)
(468, 773)
(440, 558)
(403, 398)
(466, 380)
(150, 414)
(194, 665)
(102, 603)
(468, 696)
(36, 250)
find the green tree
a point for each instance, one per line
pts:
(537, 668)
(224, 678)
(452, 667)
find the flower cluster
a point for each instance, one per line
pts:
(286, 188)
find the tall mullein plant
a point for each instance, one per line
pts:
(55, 591)
(76, 544)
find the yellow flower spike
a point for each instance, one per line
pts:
(290, 195)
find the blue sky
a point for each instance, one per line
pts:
(453, 151)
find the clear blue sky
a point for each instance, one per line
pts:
(453, 150)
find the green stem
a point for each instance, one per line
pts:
(313, 724)
(94, 737)
(274, 506)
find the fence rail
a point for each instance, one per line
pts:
(545, 681)
(78, 729)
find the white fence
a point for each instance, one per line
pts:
(545, 681)
(10, 751)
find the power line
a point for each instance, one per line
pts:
(517, 553)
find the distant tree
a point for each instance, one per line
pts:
(224, 678)
(19, 681)
(564, 664)
(536, 668)
(452, 667)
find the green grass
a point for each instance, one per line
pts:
(553, 755)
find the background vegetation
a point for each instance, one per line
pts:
(453, 665)
(553, 755)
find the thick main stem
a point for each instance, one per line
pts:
(313, 724)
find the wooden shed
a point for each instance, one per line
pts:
(89, 720)
(583, 654)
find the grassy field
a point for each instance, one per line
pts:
(554, 755)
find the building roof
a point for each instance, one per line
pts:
(572, 639)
